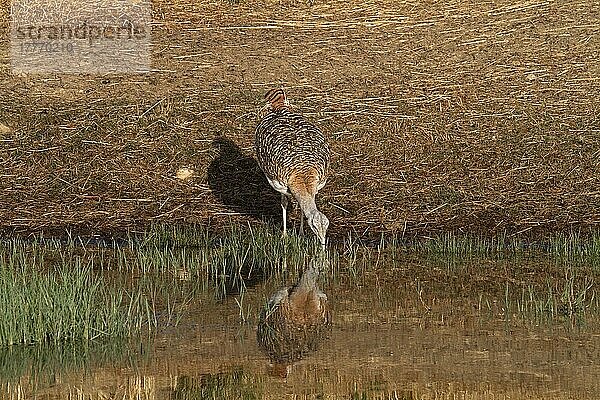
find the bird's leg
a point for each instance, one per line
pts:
(301, 223)
(284, 204)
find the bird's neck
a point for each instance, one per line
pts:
(302, 184)
(307, 204)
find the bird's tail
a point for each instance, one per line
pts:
(277, 99)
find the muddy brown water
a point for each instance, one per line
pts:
(404, 338)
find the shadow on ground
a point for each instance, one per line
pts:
(238, 182)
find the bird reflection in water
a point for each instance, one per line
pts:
(295, 320)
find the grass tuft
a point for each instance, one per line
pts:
(65, 303)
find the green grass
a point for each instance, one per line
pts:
(53, 291)
(224, 262)
(468, 245)
(575, 247)
(68, 304)
(571, 298)
(50, 299)
(571, 248)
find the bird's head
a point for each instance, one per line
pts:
(319, 223)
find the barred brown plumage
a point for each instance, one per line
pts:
(294, 156)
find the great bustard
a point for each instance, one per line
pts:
(296, 319)
(294, 156)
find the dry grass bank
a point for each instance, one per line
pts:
(442, 115)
